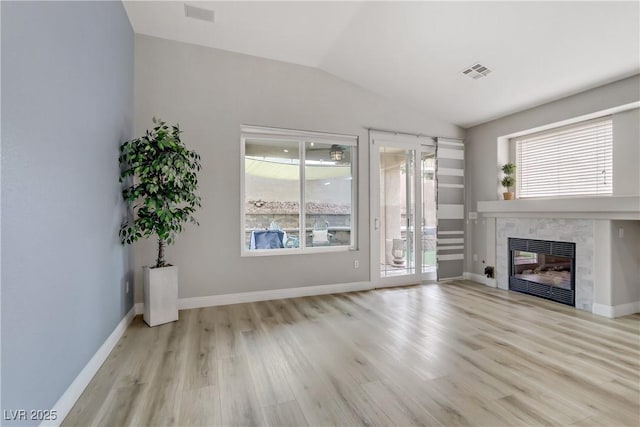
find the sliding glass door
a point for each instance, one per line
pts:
(429, 219)
(396, 212)
(403, 207)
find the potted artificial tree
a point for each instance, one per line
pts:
(161, 183)
(508, 181)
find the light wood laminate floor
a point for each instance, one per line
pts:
(449, 354)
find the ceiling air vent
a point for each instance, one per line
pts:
(198, 13)
(476, 71)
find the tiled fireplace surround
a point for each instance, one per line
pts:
(585, 221)
(578, 231)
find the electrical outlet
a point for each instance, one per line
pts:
(621, 233)
(475, 257)
(356, 264)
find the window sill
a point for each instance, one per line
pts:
(604, 207)
(295, 251)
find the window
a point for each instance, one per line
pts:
(575, 160)
(298, 191)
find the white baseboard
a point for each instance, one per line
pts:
(72, 393)
(613, 311)
(242, 297)
(602, 310)
(139, 308)
(448, 279)
(480, 278)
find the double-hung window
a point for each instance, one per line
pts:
(574, 160)
(298, 191)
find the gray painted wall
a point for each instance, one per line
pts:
(211, 93)
(626, 153)
(625, 262)
(482, 165)
(67, 103)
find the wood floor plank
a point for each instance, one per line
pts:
(227, 339)
(402, 411)
(455, 354)
(200, 367)
(203, 408)
(287, 414)
(122, 404)
(472, 406)
(530, 416)
(238, 399)
(586, 393)
(267, 366)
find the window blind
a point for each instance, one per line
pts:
(575, 160)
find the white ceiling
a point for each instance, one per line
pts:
(414, 52)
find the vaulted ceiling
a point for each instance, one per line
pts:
(415, 52)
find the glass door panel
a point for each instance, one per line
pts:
(403, 209)
(428, 211)
(397, 207)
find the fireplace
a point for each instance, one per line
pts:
(543, 268)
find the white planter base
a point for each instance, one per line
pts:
(160, 295)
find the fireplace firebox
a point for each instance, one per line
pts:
(543, 268)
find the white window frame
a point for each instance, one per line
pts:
(514, 157)
(302, 137)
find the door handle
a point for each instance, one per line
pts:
(376, 224)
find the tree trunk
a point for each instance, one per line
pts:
(160, 262)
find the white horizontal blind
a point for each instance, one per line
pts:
(575, 160)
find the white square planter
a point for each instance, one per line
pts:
(160, 295)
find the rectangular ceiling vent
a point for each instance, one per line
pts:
(198, 13)
(476, 71)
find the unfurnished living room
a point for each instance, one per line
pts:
(320, 213)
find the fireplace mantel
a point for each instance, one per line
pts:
(615, 207)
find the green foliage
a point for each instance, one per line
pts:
(508, 168)
(508, 181)
(161, 177)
